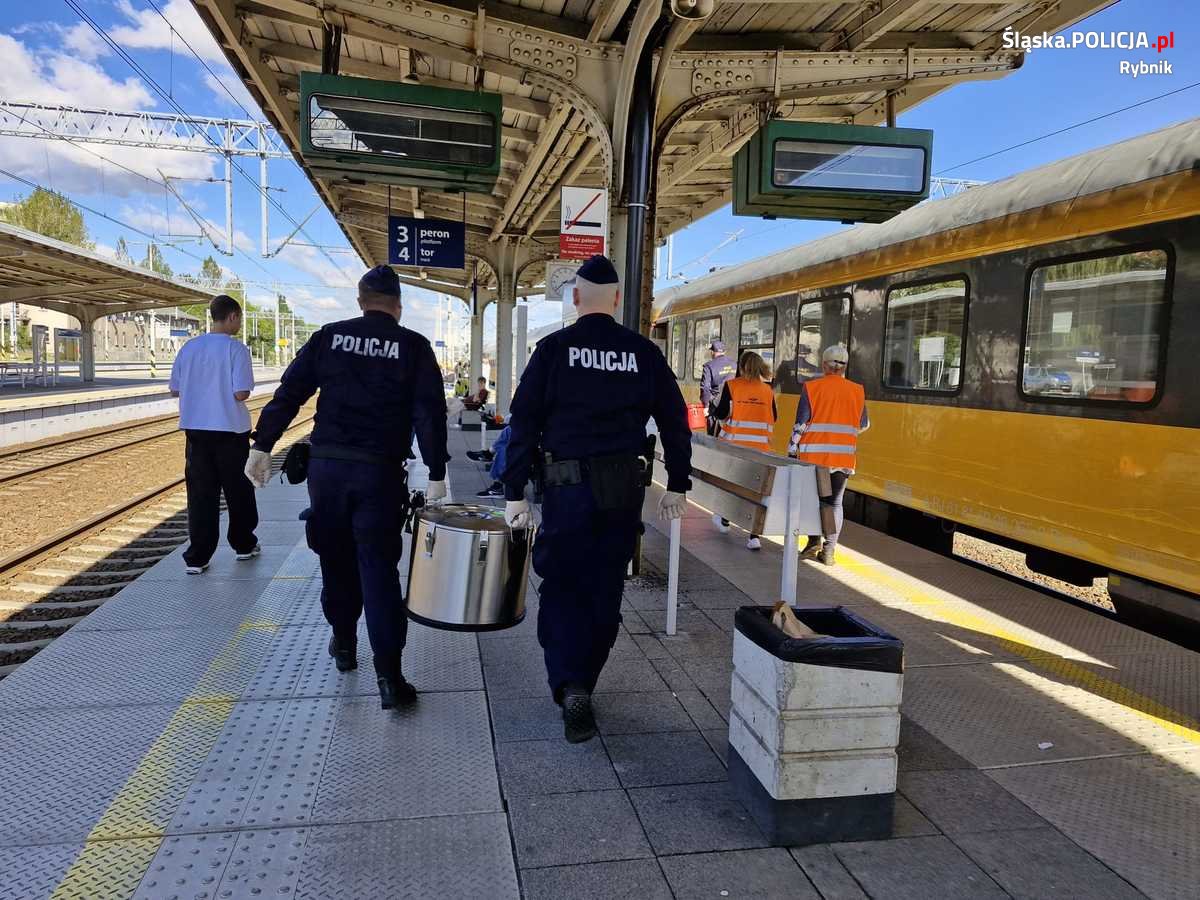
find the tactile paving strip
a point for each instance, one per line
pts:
(1140, 815)
(114, 668)
(56, 783)
(1081, 709)
(110, 872)
(450, 857)
(298, 664)
(199, 603)
(431, 759)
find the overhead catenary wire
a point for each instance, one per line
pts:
(79, 143)
(103, 34)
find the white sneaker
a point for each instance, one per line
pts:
(721, 526)
(196, 570)
(754, 544)
(253, 553)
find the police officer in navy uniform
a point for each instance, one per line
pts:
(379, 383)
(581, 411)
(718, 370)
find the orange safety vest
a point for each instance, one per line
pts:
(751, 416)
(831, 437)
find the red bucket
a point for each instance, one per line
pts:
(697, 419)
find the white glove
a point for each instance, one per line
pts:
(517, 514)
(258, 467)
(435, 493)
(671, 505)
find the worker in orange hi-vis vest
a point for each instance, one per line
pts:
(832, 413)
(747, 415)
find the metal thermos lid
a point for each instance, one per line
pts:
(461, 517)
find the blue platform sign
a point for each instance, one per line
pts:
(432, 243)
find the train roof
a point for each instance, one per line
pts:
(1169, 151)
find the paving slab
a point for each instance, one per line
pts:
(695, 818)
(635, 879)
(526, 718)
(1041, 862)
(646, 760)
(916, 869)
(567, 829)
(640, 713)
(553, 767)
(761, 874)
(827, 874)
(961, 801)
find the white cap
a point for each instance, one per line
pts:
(835, 353)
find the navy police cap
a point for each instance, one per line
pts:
(598, 270)
(381, 280)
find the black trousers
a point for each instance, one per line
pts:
(354, 525)
(215, 465)
(582, 553)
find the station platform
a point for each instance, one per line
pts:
(35, 413)
(192, 739)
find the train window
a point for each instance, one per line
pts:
(677, 346)
(707, 331)
(923, 340)
(756, 331)
(1092, 328)
(823, 323)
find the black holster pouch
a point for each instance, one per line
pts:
(616, 481)
(295, 464)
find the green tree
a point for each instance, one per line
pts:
(210, 271)
(49, 214)
(153, 260)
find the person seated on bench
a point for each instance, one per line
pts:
(479, 399)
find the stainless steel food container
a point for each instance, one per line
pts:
(467, 569)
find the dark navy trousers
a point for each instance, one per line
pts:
(354, 526)
(581, 553)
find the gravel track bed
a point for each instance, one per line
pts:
(94, 567)
(1013, 563)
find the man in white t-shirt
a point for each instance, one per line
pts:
(212, 377)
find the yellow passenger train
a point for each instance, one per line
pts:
(1030, 351)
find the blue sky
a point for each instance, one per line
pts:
(51, 56)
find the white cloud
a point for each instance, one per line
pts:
(147, 30)
(236, 97)
(81, 40)
(57, 78)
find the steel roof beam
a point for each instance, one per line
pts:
(551, 131)
(608, 17)
(877, 25)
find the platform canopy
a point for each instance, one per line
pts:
(40, 271)
(649, 99)
(565, 69)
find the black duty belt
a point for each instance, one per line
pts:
(354, 454)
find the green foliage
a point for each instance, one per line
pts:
(51, 215)
(153, 260)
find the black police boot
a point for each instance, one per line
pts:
(394, 688)
(579, 724)
(344, 653)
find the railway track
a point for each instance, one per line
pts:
(29, 460)
(57, 580)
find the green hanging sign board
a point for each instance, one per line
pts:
(848, 173)
(396, 133)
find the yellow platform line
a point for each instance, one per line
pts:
(1159, 714)
(174, 757)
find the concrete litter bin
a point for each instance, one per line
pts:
(814, 724)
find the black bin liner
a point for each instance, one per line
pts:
(846, 641)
